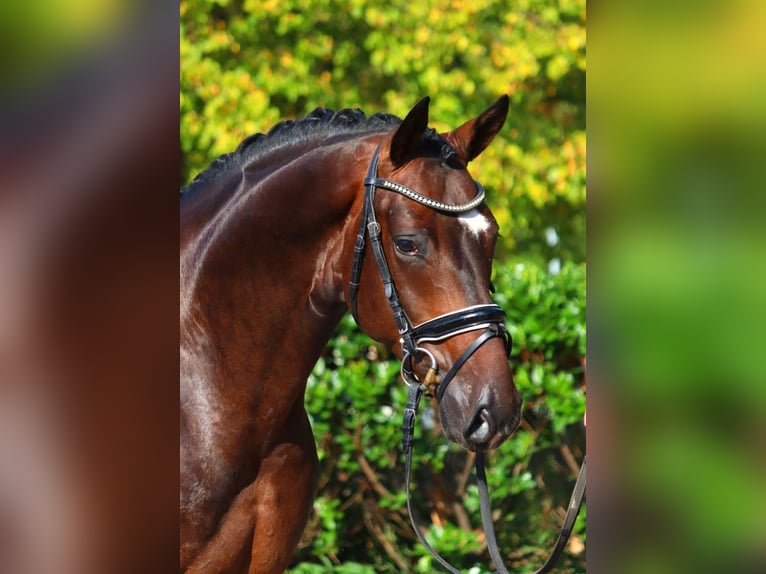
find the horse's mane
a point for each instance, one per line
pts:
(320, 123)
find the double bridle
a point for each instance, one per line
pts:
(487, 318)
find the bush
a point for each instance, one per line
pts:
(355, 399)
(247, 64)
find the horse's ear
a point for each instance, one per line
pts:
(409, 132)
(470, 139)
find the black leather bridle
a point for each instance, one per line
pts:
(487, 318)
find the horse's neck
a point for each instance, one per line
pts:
(261, 282)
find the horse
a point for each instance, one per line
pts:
(273, 241)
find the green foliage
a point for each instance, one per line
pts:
(355, 400)
(327, 567)
(247, 64)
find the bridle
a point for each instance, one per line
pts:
(487, 318)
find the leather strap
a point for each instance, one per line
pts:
(490, 333)
(486, 515)
(575, 501)
(413, 399)
(450, 324)
(359, 246)
(427, 201)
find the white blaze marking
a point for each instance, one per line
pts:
(475, 222)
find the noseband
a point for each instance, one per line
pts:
(488, 318)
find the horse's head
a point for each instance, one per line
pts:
(432, 240)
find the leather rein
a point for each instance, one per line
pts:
(487, 318)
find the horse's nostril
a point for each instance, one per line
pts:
(481, 429)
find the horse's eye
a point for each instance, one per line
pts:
(406, 246)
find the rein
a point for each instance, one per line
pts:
(487, 318)
(416, 392)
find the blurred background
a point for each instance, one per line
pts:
(246, 66)
(88, 287)
(677, 319)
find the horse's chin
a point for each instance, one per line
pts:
(451, 436)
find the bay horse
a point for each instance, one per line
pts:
(273, 243)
